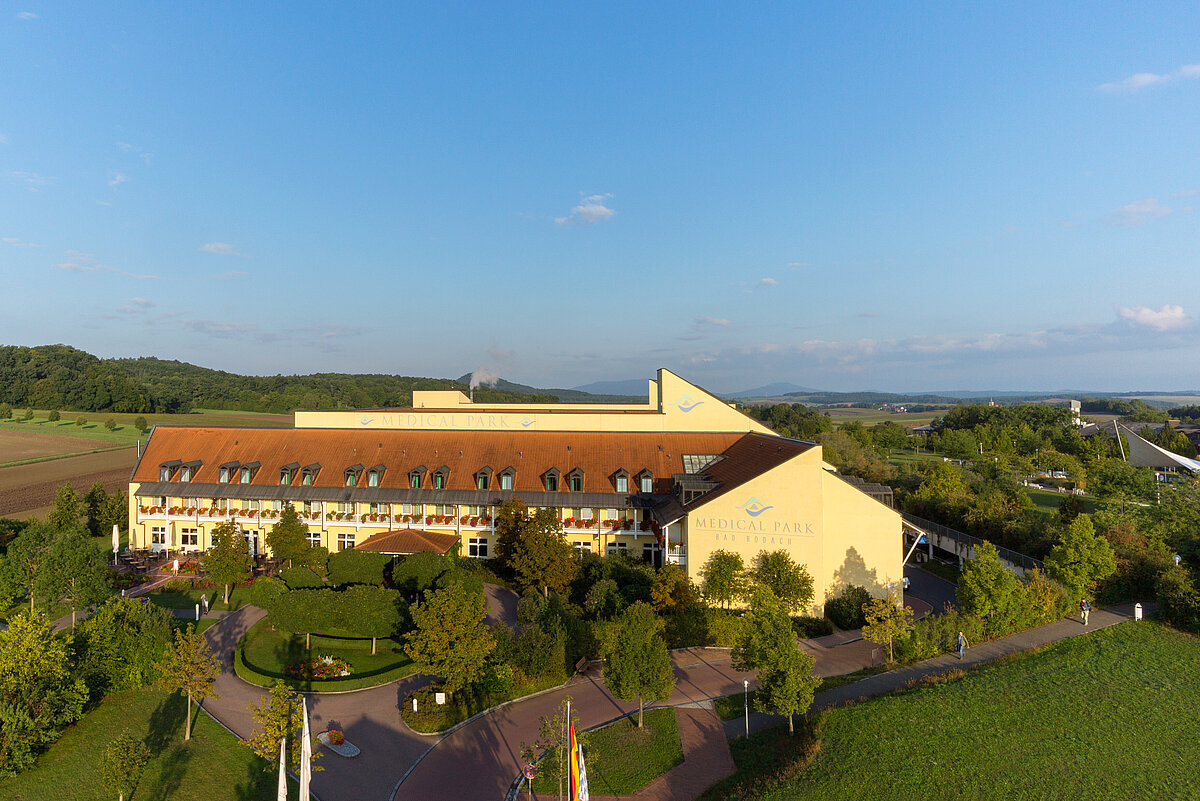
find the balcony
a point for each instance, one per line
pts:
(676, 555)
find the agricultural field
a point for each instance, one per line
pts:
(1106, 716)
(36, 456)
(869, 417)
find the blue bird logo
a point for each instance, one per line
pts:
(686, 403)
(364, 420)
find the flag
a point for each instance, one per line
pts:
(579, 784)
(305, 753)
(281, 795)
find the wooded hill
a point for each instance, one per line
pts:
(65, 378)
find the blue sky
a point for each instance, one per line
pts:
(874, 196)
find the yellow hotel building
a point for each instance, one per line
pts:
(673, 480)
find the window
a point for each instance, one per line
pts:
(350, 479)
(439, 481)
(185, 475)
(414, 479)
(164, 474)
(246, 474)
(475, 511)
(587, 514)
(582, 547)
(161, 500)
(224, 476)
(551, 480)
(506, 481)
(272, 506)
(407, 509)
(622, 483)
(307, 480)
(345, 506)
(193, 503)
(646, 481)
(611, 514)
(158, 535)
(314, 538)
(252, 505)
(648, 550)
(575, 480)
(372, 479)
(345, 541)
(189, 538)
(312, 507)
(695, 463)
(309, 476)
(220, 503)
(477, 547)
(481, 481)
(446, 510)
(378, 508)
(617, 547)
(285, 476)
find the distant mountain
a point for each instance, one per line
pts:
(634, 387)
(563, 395)
(771, 391)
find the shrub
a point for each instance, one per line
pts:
(79, 421)
(266, 592)
(5, 411)
(178, 585)
(1178, 600)
(54, 416)
(111, 424)
(419, 572)
(119, 646)
(140, 424)
(937, 634)
(724, 628)
(356, 567)
(846, 608)
(298, 578)
(470, 581)
(807, 627)
(687, 627)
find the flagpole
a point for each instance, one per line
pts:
(305, 753)
(281, 794)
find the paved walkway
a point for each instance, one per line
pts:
(883, 683)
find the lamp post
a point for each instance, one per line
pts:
(746, 703)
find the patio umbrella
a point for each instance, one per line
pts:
(116, 540)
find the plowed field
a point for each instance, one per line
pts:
(19, 445)
(29, 488)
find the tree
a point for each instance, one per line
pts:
(140, 423)
(767, 644)
(188, 667)
(888, 436)
(1080, 558)
(5, 411)
(357, 567)
(887, 619)
(723, 577)
(111, 424)
(81, 421)
(67, 511)
(636, 664)
(302, 612)
(123, 762)
(419, 571)
(39, 697)
(104, 510)
(54, 416)
(288, 541)
(542, 556)
(228, 559)
(279, 715)
(510, 521)
(671, 590)
(790, 582)
(553, 741)
(986, 588)
(22, 565)
(604, 600)
(370, 611)
(76, 572)
(28, 414)
(119, 647)
(450, 637)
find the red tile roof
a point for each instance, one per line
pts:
(530, 453)
(409, 540)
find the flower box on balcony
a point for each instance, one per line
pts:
(429, 518)
(464, 519)
(143, 509)
(474, 521)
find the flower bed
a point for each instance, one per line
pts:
(322, 667)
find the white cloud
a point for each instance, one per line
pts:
(26, 15)
(1186, 193)
(591, 209)
(719, 322)
(18, 243)
(221, 329)
(1143, 79)
(220, 248)
(86, 263)
(136, 306)
(768, 282)
(32, 180)
(1165, 318)
(118, 179)
(1137, 213)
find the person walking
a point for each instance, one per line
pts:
(204, 603)
(1085, 608)
(961, 645)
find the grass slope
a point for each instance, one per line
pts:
(211, 767)
(621, 758)
(1106, 716)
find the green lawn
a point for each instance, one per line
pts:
(942, 570)
(1107, 716)
(212, 767)
(264, 653)
(126, 433)
(187, 599)
(1048, 501)
(607, 755)
(432, 717)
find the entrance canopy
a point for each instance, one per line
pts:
(409, 540)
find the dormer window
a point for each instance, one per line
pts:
(645, 481)
(483, 478)
(245, 475)
(247, 471)
(507, 478)
(228, 472)
(352, 474)
(308, 476)
(287, 473)
(575, 480)
(416, 476)
(440, 477)
(185, 474)
(550, 480)
(166, 470)
(375, 475)
(621, 480)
